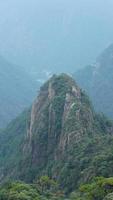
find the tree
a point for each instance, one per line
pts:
(45, 183)
(97, 189)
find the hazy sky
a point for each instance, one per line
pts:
(55, 34)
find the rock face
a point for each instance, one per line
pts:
(64, 138)
(62, 124)
(97, 81)
(49, 117)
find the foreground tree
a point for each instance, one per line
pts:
(98, 189)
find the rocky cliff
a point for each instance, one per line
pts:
(65, 139)
(62, 127)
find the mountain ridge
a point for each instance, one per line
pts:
(97, 81)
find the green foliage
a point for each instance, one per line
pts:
(46, 184)
(11, 142)
(44, 189)
(109, 197)
(18, 191)
(98, 188)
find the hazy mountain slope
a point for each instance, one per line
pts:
(55, 35)
(17, 89)
(11, 142)
(65, 138)
(97, 80)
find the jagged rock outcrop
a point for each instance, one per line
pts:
(62, 127)
(65, 139)
(49, 117)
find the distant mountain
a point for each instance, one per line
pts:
(97, 81)
(17, 89)
(61, 136)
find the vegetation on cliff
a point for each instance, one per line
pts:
(61, 137)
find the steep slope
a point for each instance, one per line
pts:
(65, 138)
(17, 90)
(11, 143)
(65, 135)
(97, 80)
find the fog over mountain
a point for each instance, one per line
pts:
(57, 35)
(17, 90)
(55, 144)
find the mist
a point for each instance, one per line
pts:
(59, 35)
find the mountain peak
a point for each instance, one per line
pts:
(60, 115)
(62, 128)
(62, 81)
(54, 95)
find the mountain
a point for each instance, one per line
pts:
(60, 136)
(17, 90)
(97, 81)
